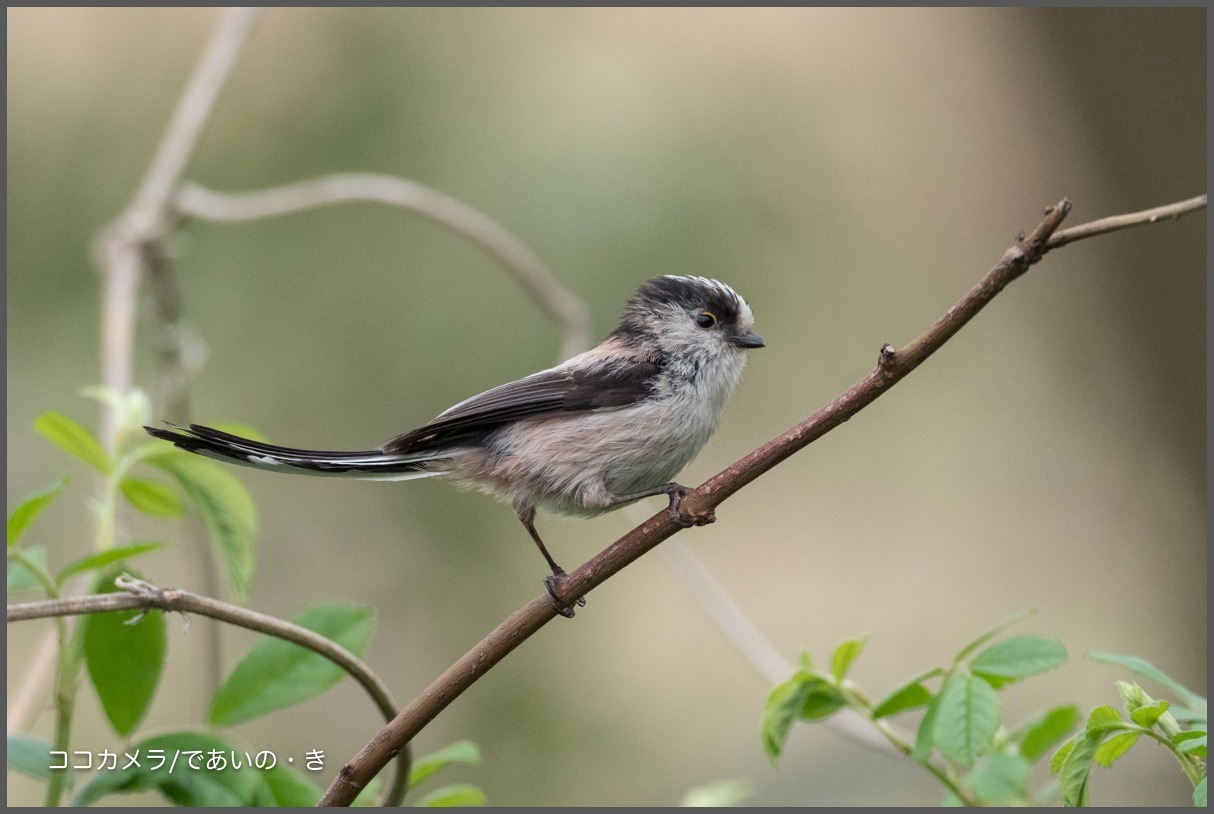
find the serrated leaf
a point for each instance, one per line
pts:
(1148, 715)
(461, 794)
(276, 674)
(124, 660)
(990, 634)
(1077, 768)
(1019, 657)
(1145, 669)
(967, 717)
(75, 439)
(1047, 729)
(783, 706)
(925, 740)
(1102, 719)
(1114, 747)
(152, 497)
(1064, 751)
(21, 578)
(1191, 743)
(177, 780)
(225, 506)
(101, 559)
(722, 794)
(846, 653)
(427, 765)
(1000, 779)
(30, 755)
(908, 696)
(27, 511)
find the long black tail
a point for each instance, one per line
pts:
(371, 464)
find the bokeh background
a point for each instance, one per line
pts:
(852, 172)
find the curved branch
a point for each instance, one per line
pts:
(565, 309)
(893, 364)
(141, 595)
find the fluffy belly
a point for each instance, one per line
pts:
(578, 465)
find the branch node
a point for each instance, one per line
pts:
(886, 357)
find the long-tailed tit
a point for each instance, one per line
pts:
(607, 427)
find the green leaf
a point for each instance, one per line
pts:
(845, 654)
(1145, 669)
(1102, 719)
(177, 779)
(290, 789)
(1191, 743)
(75, 439)
(1018, 657)
(30, 755)
(225, 507)
(152, 497)
(925, 739)
(462, 794)
(1000, 779)
(27, 511)
(722, 794)
(909, 696)
(1076, 768)
(822, 702)
(784, 706)
(21, 578)
(277, 674)
(124, 660)
(427, 765)
(1199, 794)
(1064, 751)
(967, 717)
(990, 634)
(1148, 715)
(1114, 747)
(1046, 729)
(101, 559)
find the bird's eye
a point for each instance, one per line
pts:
(706, 319)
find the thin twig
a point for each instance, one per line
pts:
(141, 595)
(1119, 222)
(892, 366)
(566, 310)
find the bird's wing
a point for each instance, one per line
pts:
(564, 389)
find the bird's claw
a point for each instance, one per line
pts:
(686, 519)
(562, 608)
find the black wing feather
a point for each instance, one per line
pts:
(560, 390)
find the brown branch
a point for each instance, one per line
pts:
(893, 364)
(141, 595)
(562, 307)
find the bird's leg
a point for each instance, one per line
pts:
(527, 517)
(676, 492)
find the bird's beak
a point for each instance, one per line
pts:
(750, 339)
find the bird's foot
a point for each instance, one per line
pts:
(563, 608)
(682, 518)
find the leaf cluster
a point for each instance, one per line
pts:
(123, 652)
(960, 738)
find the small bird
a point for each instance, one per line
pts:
(609, 426)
